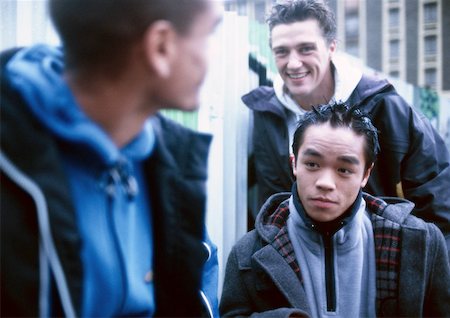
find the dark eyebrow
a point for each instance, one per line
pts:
(349, 159)
(307, 43)
(312, 152)
(279, 47)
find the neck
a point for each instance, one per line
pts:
(330, 227)
(118, 105)
(319, 96)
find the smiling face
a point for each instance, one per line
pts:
(303, 58)
(330, 171)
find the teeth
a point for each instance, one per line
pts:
(296, 76)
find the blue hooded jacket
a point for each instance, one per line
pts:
(108, 188)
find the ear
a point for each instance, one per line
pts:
(366, 176)
(160, 47)
(293, 164)
(332, 48)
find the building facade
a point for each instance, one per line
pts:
(407, 39)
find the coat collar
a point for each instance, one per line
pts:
(274, 265)
(278, 260)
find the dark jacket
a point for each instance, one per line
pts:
(414, 162)
(40, 241)
(263, 277)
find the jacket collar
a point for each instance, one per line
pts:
(263, 99)
(273, 216)
(188, 158)
(386, 220)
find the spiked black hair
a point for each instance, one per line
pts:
(340, 115)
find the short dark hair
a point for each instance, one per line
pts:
(340, 115)
(290, 11)
(97, 33)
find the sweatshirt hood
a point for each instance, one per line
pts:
(273, 215)
(346, 77)
(285, 98)
(37, 74)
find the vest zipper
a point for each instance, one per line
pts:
(329, 272)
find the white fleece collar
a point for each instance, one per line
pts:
(346, 77)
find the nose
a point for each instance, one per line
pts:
(325, 181)
(294, 61)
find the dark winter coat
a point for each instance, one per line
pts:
(263, 277)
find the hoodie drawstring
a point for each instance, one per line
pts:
(120, 174)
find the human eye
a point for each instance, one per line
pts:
(311, 165)
(345, 171)
(280, 52)
(307, 49)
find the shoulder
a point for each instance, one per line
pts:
(6, 55)
(373, 84)
(261, 92)
(245, 247)
(262, 98)
(374, 93)
(6, 88)
(397, 211)
(173, 132)
(179, 146)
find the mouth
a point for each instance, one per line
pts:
(297, 75)
(324, 199)
(323, 202)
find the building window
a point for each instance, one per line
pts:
(430, 45)
(394, 74)
(430, 77)
(260, 11)
(352, 49)
(352, 27)
(394, 17)
(394, 49)
(430, 12)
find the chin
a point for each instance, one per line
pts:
(184, 105)
(298, 92)
(324, 216)
(191, 107)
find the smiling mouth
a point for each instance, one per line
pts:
(298, 75)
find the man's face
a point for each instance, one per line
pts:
(330, 171)
(190, 66)
(303, 57)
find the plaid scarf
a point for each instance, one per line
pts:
(387, 251)
(387, 246)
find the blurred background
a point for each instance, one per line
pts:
(407, 41)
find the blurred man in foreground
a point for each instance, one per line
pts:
(102, 198)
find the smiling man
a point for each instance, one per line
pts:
(329, 249)
(413, 163)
